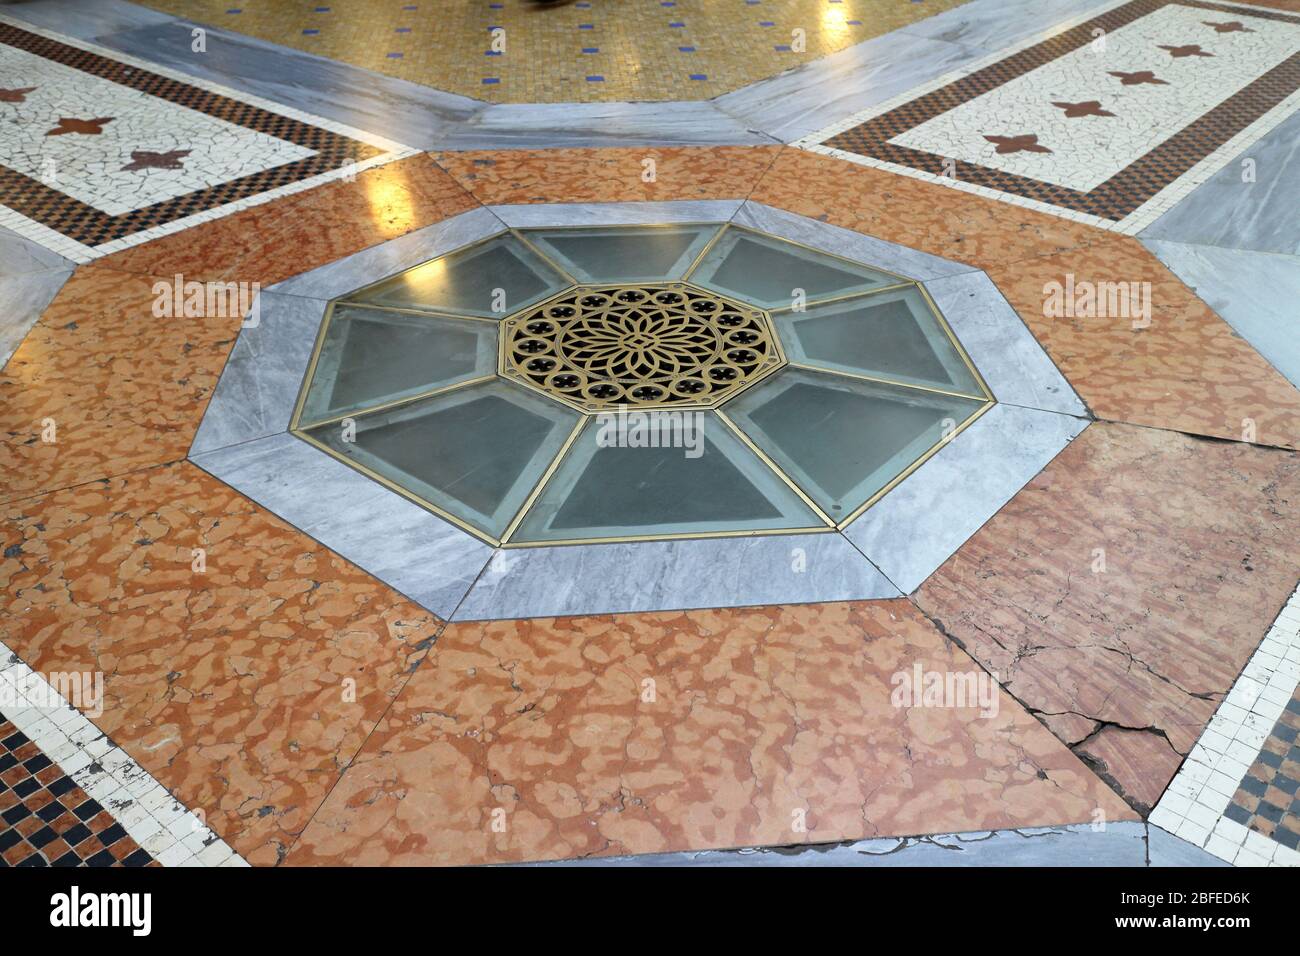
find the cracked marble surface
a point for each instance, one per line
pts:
(1121, 592)
(649, 733)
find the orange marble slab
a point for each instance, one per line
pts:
(279, 239)
(1124, 588)
(935, 219)
(558, 738)
(1186, 371)
(639, 174)
(245, 687)
(115, 387)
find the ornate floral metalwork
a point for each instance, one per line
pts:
(647, 345)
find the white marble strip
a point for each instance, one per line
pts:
(550, 215)
(1193, 805)
(156, 820)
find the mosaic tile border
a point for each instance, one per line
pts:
(1130, 200)
(162, 826)
(1196, 802)
(80, 232)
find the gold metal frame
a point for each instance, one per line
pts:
(587, 414)
(507, 369)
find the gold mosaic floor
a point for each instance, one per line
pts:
(580, 51)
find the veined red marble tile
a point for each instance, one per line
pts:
(1186, 371)
(610, 175)
(1128, 584)
(935, 219)
(116, 387)
(245, 687)
(557, 738)
(279, 239)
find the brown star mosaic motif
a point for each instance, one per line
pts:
(1190, 49)
(1233, 26)
(86, 127)
(1086, 108)
(17, 95)
(144, 159)
(1138, 78)
(1025, 143)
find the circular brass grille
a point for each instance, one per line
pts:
(642, 345)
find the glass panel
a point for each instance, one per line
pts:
(843, 439)
(476, 452)
(891, 335)
(660, 474)
(766, 271)
(371, 357)
(624, 253)
(465, 281)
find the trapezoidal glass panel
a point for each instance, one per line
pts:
(768, 272)
(843, 439)
(624, 253)
(697, 478)
(489, 279)
(893, 335)
(475, 453)
(371, 357)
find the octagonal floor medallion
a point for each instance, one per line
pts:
(729, 403)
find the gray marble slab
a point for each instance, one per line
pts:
(544, 215)
(1228, 211)
(672, 575)
(536, 125)
(991, 25)
(890, 256)
(1165, 849)
(20, 255)
(1257, 293)
(22, 300)
(83, 20)
(1120, 844)
(919, 524)
(405, 112)
(388, 258)
(425, 558)
(1012, 362)
(258, 387)
(804, 100)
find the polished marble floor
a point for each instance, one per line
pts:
(402, 469)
